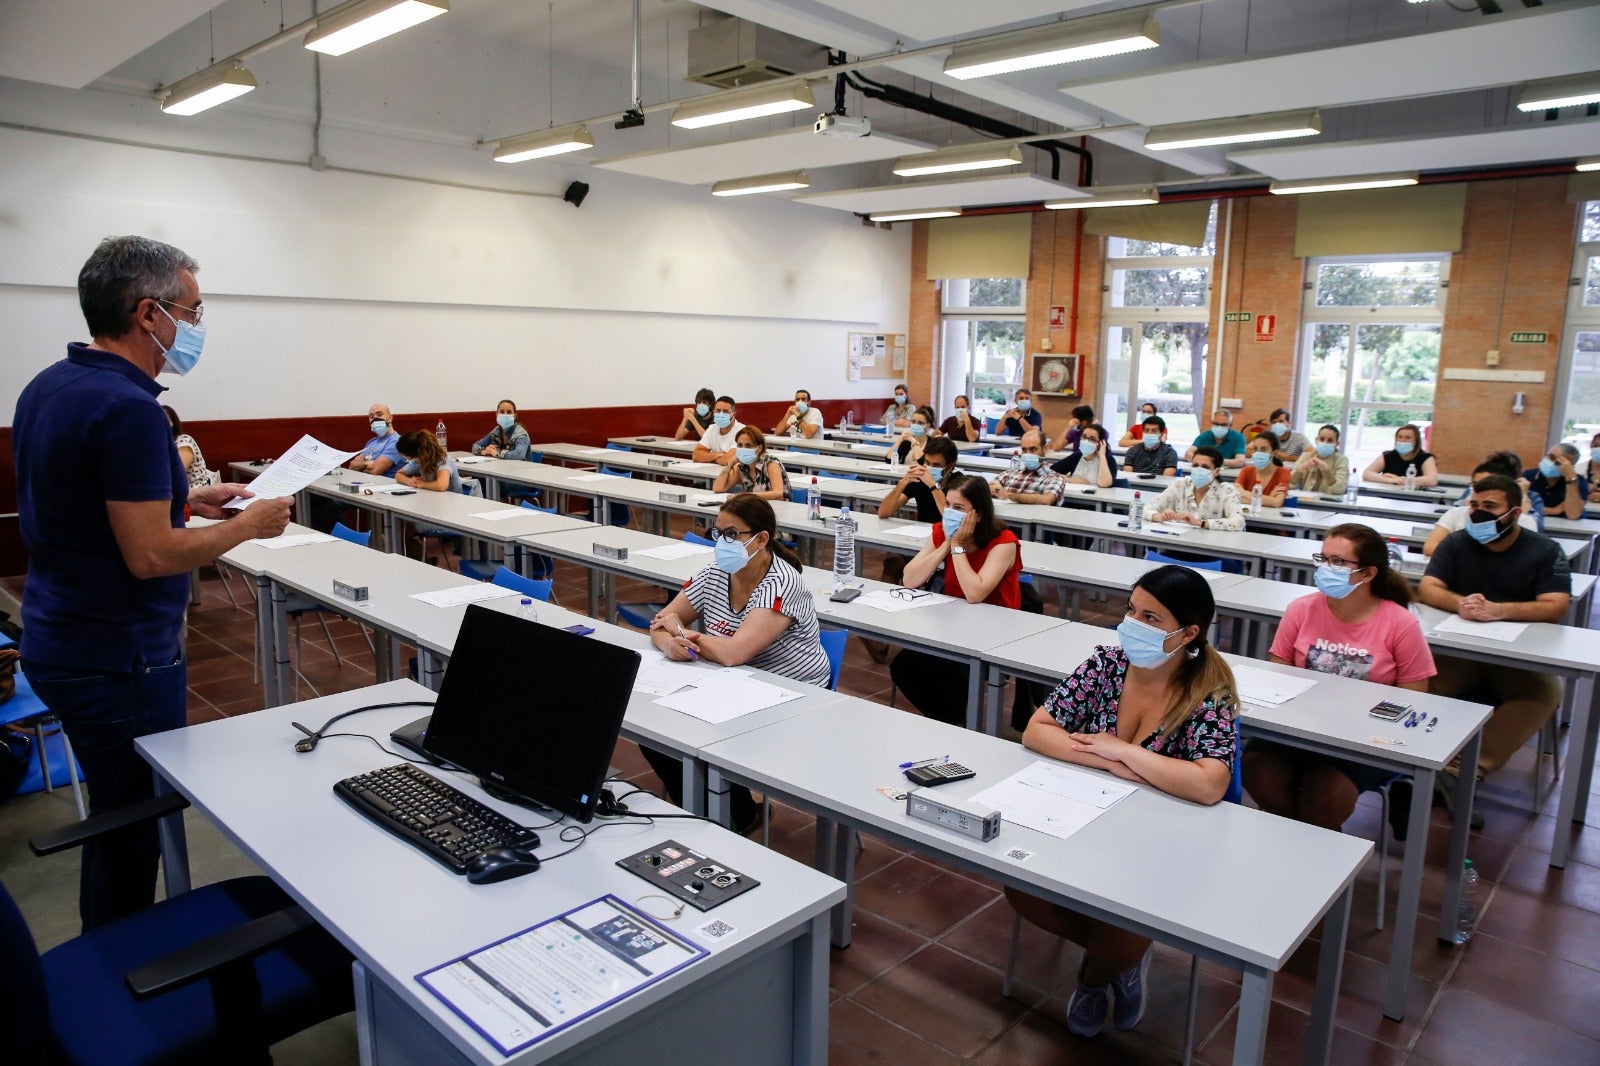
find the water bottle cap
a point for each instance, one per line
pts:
(1467, 864)
(527, 601)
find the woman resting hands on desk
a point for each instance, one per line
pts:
(430, 466)
(1355, 625)
(752, 470)
(1263, 467)
(1160, 709)
(507, 440)
(754, 608)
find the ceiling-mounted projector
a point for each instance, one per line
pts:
(842, 126)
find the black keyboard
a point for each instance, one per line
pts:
(428, 814)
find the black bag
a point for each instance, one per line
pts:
(16, 756)
(10, 659)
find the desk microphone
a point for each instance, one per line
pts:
(314, 737)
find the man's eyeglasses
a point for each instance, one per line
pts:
(909, 594)
(199, 313)
(729, 533)
(1334, 560)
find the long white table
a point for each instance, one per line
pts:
(400, 914)
(1227, 882)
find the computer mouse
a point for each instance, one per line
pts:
(500, 864)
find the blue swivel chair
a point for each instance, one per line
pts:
(535, 589)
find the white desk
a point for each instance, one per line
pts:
(400, 913)
(1251, 908)
(647, 464)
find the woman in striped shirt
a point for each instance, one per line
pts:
(755, 610)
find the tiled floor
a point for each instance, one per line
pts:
(921, 983)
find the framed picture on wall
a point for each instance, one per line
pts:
(1055, 374)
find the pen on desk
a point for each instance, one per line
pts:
(914, 763)
(693, 654)
(1432, 724)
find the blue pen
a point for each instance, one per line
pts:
(913, 764)
(693, 653)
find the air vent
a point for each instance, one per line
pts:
(734, 53)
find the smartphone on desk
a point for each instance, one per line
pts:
(403, 492)
(844, 595)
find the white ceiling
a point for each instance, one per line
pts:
(72, 42)
(934, 20)
(766, 153)
(954, 192)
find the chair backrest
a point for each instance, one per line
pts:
(616, 473)
(1153, 556)
(213, 477)
(1235, 793)
(530, 505)
(870, 427)
(991, 424)
(536, 457)
(833, 642)
(344, 532)
(691, 537)
(619, 447)
(510, 579)
(24, 1004)
(846, 477)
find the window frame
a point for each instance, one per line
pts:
(970, 316)
(1580, 318)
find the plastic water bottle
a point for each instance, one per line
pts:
(1352, 488)
(1016, 462)
(888, 421)
(1255, 499)
(1397, 555)
(814, 501)
(1411, 478)
(794, 428)
(527, 610)
(844, 549)
(438, 431)
(849, 418)
(1467, 914)
(1136, 512)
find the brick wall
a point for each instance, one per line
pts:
(1263, 278)
(1059, 248)
(925, 341)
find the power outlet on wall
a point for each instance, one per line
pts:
(1232, 403)
(1492, 357)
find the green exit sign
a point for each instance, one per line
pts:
(1237, 316)
(1528, 337)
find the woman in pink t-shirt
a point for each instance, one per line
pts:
(1355, 625)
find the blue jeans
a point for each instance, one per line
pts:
(102, 714)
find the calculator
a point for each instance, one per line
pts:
(939, 773)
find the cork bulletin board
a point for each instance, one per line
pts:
(875, 355)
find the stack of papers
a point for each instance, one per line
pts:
(708, 497)
(502, 514)
(294, 541)
(472, 460)
(717, 694)
(589, 477)
(1267, 688)
(886, 600)
(1171, 529)
(681, 550)
(476, 592)
(1054, 798)
(1503, 631)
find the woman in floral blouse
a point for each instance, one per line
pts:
(1159, 708)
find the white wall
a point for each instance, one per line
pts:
(327, 290)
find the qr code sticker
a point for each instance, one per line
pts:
(716, 929)
(1019, 855)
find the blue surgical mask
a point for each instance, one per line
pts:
(1260, 460)
(1334, 582)
(1404, 447)
(1201, 477)
(1087, 448)
(900, 398)
(961, 412)
(1024, 406)
(1152, 440)
(1030, 461)
(187, 343)
(952, 521)
(1483, 527)
(724, 419)
(701, 410)
(1221, 432)
(1548, 468)
(505, 422)
(380, 428)
(801, 407)
(729, 556)
(1280, 429)
(1142, 643)
(918, 429)
(745, 455)
(1324, 449)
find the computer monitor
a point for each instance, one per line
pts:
(532, 710)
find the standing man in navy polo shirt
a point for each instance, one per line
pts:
(109, 555)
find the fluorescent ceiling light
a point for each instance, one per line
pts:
(909, 216)
(1281, 126)
(741, 104)
(1589, 165)
(368, 21)
(1130, 197)
(205, 90)
(952, 160)
(793, 179)
(1371, 181)
(543, 143)
(1559, 92)
(1062, 42)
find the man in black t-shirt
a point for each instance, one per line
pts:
(1496, 571)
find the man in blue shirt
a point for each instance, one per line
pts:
(109, 554)
(1223, 437)
(379, 456)
(1022, 417)
(1557, 483)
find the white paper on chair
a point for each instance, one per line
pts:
(681, 550)
(502, 514)
(915, 531)
(724, 695)
(1504, 631)
(307, 460)
(294, 541)
(1054, 799)
(476, 592)
(589, 477)
(1267, 688)
(908, 600)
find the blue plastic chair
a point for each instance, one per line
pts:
(617, 514)
(507, 578)
(990, 425)
(524, 493)
(300, 606)
(542, 565)
(444, 536)
(691, 537)
(1153, 556)
(619, 447)
(871, 428)
(833, 642)
(638, 615)
(344, 532)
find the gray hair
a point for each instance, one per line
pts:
(121, 272)
(1570, 451)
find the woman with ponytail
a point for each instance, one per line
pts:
(754, 608)
(1158, 708)
(1355, 625)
